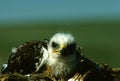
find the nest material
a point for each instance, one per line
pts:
(111, 74)
(19, 77)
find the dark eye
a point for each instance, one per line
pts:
(55, 45)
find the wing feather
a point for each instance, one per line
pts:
(25, 58)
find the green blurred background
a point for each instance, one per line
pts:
(100, 40)
(95, 25)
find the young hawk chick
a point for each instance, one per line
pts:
(63, 58)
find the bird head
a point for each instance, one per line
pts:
(61, 44)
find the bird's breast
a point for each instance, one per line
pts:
(61, 69)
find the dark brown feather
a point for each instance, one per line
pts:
(25, 58)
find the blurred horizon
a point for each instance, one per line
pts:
(45, 11)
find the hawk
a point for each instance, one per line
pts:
(63, 58)
(58, 58)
